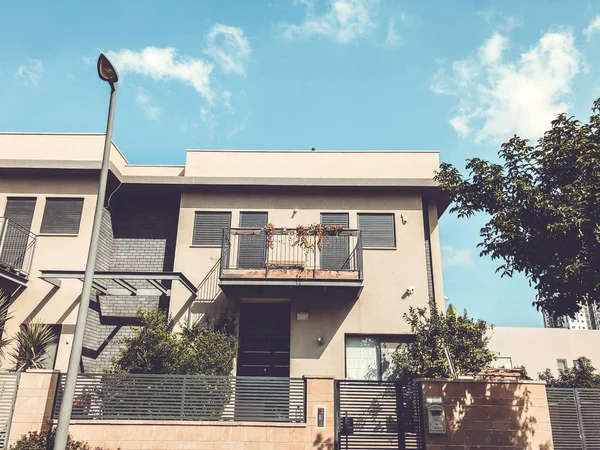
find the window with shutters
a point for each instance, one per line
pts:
(62, 216)
(209, 226)
(377, 230)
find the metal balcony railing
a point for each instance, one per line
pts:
(17, 244)
(248, 250)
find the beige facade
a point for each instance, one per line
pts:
(539, 349)
(293, 188)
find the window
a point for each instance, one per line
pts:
(562, 364)
(208, 228)
(378, 230)
(50, 359)
(370, 357)
(62, 216)
(502, 362)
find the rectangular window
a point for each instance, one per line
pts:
(50, 357)
(370, 357)
(209, 226)
(377, 230)
(62, 216)
(562, 364)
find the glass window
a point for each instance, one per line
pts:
(370, 357)
(62, 216)
(561, 364)
(50, 359)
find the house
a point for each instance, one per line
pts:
(196, 239)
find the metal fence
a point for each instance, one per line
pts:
(9, 383)
(16, 247)
(186, 397)
(280, 253)
(575, 418)
(378, 415)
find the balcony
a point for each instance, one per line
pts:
(257, 262)
(16, 251)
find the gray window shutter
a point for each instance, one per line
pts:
(336, 249)
(252, 249)
(209, 226)
(19, 210)
(62, 216)
(377, 230)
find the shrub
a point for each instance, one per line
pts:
(45, 441)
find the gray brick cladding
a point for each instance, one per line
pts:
(134, 238)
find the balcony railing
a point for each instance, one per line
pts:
(16, 247)
(246, 253)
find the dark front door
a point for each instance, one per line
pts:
(252, 249)
(336, 249)
(264, 346)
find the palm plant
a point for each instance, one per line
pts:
(5, 316)
(32, 343)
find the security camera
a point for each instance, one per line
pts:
(410, 290)
(446, 298)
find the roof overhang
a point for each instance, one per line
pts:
(122, 279)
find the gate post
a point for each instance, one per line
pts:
(580, 419)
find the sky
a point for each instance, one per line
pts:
(460, 77)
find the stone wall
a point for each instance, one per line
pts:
(179, 435)
(490, 414)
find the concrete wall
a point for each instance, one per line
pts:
(539, 348)
(479, 414)
(387, 273)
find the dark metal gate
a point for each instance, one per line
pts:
(382, 415)
(575, 418)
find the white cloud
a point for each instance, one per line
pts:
(239, 128)
(229, 47)
(165, 64)
(88, 60)
(31, 73)
(146, 102)
(452, 257)
(592, 28)
(393, 37)
(498, 98)
(499, 20)
(343, 21)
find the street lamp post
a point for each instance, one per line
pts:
(107, 73)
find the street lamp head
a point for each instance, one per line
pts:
(106, 71)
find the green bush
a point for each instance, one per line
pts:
(45, 441)
(207, 347)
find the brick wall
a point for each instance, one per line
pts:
(490, 414)
(134, 237)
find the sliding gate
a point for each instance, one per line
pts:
(382, 415)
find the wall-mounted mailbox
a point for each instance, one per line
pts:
(436, 419)
(321, 417)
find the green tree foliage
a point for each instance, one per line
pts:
(32, 343)
(466, 339)
(544, 206)
(45, 441)
(581, 375)
(207, 347)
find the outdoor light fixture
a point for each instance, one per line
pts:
(106, 71)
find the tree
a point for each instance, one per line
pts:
(581, 375)
(32, 343)
(544, 206)
(466, 340)
(204, 348)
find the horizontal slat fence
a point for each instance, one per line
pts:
(186, 397)
(575, 418)
(8, 394)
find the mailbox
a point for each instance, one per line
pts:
(436, 419)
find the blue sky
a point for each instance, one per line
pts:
(459, 76)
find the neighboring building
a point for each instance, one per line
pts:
(588, 318)
(188, 239)
(539, 349)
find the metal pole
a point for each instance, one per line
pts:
(66, 406)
